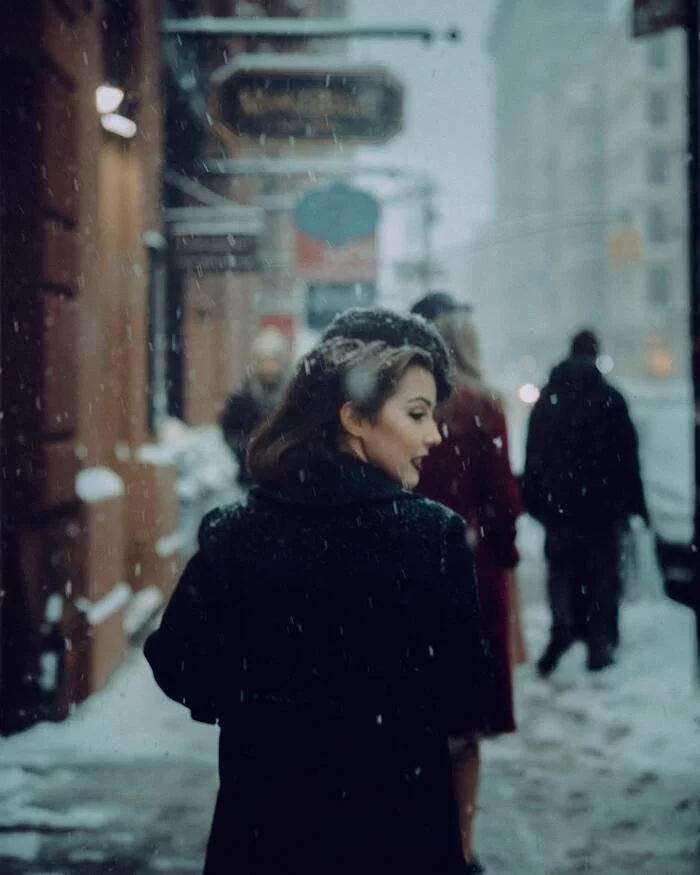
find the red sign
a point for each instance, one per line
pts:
(284, 322)
(319, 262)
(653, 16)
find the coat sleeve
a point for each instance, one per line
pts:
(466, 669)
(625, 449)
(535, 459)
(499, 503)
(189, 653)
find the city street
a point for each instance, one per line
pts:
(194, 195)
(603, 777)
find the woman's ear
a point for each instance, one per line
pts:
(352, 421)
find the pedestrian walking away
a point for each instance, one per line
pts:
(262, 389)
(470, 473)
(582, 481)
(331, 627)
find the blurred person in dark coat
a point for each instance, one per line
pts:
(331, 627)
(262, 389)
(470, 473)
(582, 481)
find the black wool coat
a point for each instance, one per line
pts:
(333, 631)
(582, 461)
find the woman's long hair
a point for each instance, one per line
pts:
(301, 437)
(462, 341)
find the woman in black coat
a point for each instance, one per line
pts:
(331, 628)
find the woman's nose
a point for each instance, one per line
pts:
(434, 437)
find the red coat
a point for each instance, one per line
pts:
(470, 473)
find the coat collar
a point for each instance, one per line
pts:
(348, 481)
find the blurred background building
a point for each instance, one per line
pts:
(589, 223)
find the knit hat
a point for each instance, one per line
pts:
(396, 329)
(436, 304)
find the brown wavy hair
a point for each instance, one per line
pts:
(300, 437)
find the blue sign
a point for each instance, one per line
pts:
(337, 215)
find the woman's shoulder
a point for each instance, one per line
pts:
(220, 526)
(431, 515)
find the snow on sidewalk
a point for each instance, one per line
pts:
(603, 776)
(130, 719)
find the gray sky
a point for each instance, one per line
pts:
(447, 127)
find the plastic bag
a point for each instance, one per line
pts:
(640, 572)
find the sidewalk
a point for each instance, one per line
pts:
(603, 777)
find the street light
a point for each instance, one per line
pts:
(108, 98)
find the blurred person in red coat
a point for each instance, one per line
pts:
(470, 473)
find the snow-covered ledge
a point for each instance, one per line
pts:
(93, 485)
(99, 611)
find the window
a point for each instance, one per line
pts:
(657, 108)
(659, 285)
(658, 224)
(658, 167)
(657, 52)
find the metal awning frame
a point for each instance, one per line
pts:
(207, 26)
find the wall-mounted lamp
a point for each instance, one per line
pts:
(108, 98)
(118, 124)
(117, 112)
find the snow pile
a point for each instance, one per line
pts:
(99, 611)
(130, 718)
(207, 473)
(142, 609)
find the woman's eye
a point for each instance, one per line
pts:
(418, 416)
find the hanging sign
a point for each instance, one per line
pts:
(308, 98)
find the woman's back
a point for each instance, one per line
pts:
(346, 647)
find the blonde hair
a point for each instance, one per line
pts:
(461, 338)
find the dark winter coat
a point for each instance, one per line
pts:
(582, 461)
(243, 412)
(470, 473)
(333, 630)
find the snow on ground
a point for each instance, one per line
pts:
(646, 707)
(602, 778)
(130, 718)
